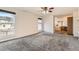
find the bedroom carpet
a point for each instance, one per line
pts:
(42, 42)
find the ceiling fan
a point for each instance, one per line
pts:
(47, 9)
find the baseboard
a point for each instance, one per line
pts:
(15, 38)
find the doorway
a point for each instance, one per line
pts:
(40, 25)
(63, 25)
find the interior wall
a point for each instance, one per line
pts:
(48, 23)
(26, 23)
(76, 22)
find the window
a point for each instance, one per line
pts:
(7, 23)
(39, 25)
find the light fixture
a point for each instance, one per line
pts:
(46, 10)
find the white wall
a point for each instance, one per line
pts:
(48, 23)
(26, 23)
(76, 22)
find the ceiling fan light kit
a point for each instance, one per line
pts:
(47, 10)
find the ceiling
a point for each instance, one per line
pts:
(57, 11)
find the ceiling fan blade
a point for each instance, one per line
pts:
(44, 8)
(50, 11)
(51, 8)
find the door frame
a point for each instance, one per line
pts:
(54, 24)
